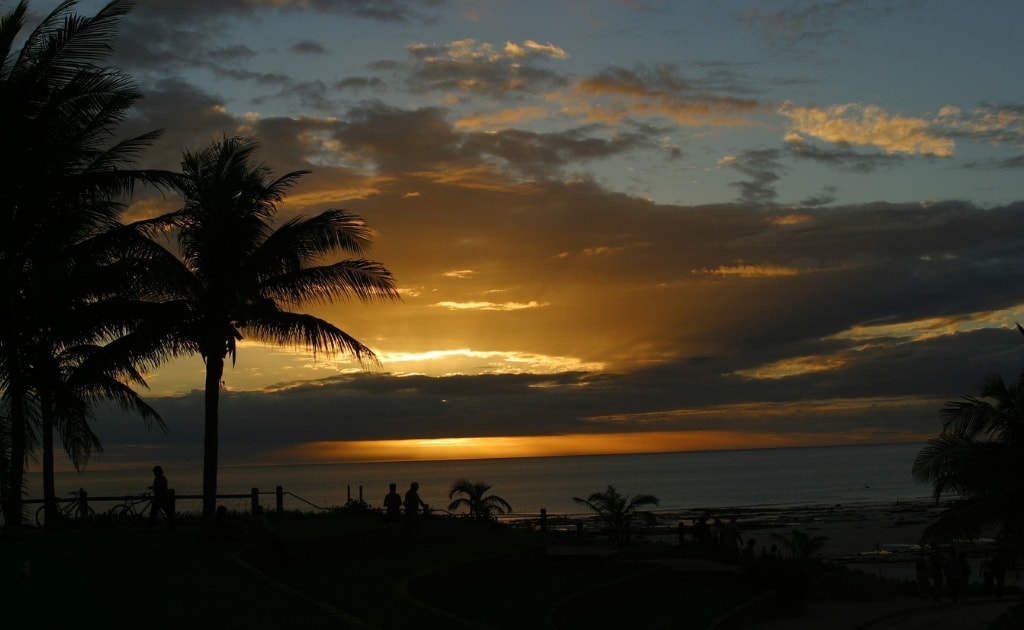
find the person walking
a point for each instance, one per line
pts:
(161, 499)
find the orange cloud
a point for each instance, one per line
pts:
(854, 123)
(491, 306)
(748, 271)
(605, 99)
(503, 118)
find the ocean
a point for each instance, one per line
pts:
(683, 482)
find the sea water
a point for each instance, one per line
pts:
(682, 481)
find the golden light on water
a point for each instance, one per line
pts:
(549, 445)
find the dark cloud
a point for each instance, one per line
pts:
(807, 30)
(1014, 162)
(361, 83)
(692, 395)
(842, 156)
(824, 198)
(310, 95)
(199, 11)
(475, 68)
(763, 167)
(307, 47)
(545, 155)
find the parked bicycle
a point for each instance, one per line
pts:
(77, 511)
(133, 509)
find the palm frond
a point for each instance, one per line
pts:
(305, 331)
(366, 280)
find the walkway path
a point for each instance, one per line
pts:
(895, 614)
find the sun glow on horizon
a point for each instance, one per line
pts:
(501, 447)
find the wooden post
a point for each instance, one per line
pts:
(543, 520)
(280, 499)
(171, 501)
(255, 499)
(682, 534)
(348, 494)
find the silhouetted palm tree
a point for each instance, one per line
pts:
(83, 376)
(474, 496)
(979, 459)
(617, 511)
(239, 275)
(61, 191)
(801, 546)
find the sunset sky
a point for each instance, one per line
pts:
(616, 226)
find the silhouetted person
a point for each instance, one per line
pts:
(957, 572)
(999, 572)
(392, 503)
(701, 531)
(987, 575)
(748, 560)
(412, 504)
(226, 529)
(716, 534)
(922, 576)
(260, 531)
(161, 499)
(412, 501)
(731, 539)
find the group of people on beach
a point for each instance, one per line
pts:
(716, 536)
(941, 575)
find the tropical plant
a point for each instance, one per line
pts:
(978, 459)
(473, 495)
(238, 274)
(58, 218)
(801, 546)
(618, 512)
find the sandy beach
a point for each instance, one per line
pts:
(880, 538)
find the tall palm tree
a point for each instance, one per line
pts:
(979, 459)
(238, 274)
(474, 496)
(618, 511)
(59, 109)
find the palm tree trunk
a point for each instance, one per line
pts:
(13, 506)
(49, 484)
(214, 373)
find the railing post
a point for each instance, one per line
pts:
(171, 501)
(280, 499)
(543, 520)
(255, 499)
(682, 534)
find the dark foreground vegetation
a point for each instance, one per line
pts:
(339, 570)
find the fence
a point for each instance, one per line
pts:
(253, 496)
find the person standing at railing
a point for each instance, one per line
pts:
(161, 499)
(392, 503)
(412, 505)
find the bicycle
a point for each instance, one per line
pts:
(77, 511)
(124, 514)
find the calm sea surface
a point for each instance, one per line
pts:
(683, 481)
